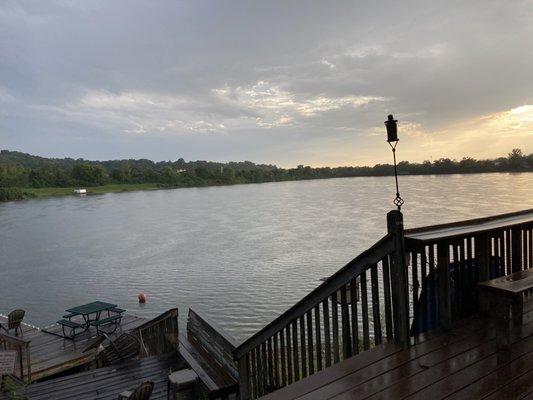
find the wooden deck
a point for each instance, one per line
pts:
(462, 364)
(52, 354)
(108, 382)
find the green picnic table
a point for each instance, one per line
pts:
(91, 313)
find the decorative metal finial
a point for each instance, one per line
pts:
(392, 137)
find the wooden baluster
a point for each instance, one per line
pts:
(364, 302)
(414, 269)
(457, 280)
(276, 361)
(270, 364)
(295, 356)
(501, 256)
(425, 289)
(264, 368)
(375, 304)
(345, 319)
(245, 369)
(508, 247)
(303, 347)
(327, 333)
(530, 248)
(335, 323)
(523, 248)
(355, 322)
(260, 372)
(289, 355)
(387, 298)
(284, 372)
(253, 370)
(516, 257)
(445, 301)
(318, 339)
(434, 295)
(310, 354)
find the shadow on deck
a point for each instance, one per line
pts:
(464, 363)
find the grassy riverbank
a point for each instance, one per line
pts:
(66, 191)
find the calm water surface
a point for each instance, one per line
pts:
(242, 254)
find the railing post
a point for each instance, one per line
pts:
(244, 378)
(400, 291)
(443, 270)
(482, 249)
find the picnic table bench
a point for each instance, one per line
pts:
(506, 294)
(86, 311)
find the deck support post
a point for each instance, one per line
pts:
(482, 251)
(399, 281)
(244, 378)
(445, 299)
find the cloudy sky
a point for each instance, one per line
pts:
(292, 82)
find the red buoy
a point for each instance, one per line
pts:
(142, 298)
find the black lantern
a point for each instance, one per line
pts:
(392, 137)
(392, 129)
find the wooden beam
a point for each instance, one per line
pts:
(398, 270)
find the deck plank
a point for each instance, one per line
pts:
(463, 363)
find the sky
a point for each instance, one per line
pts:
(281, 82)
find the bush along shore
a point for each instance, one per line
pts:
(25, 176)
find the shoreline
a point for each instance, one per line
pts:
(38, 193)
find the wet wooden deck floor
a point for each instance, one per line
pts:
(462, 364)
(51, 354)
(106, 383)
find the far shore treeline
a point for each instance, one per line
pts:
(23, 175)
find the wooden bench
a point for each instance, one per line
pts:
(506, 295)
(71, 325)
(112, 320)
(209, 352)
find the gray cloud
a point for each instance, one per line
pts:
(285, 82)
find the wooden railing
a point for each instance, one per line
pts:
(409, 282)
(218, 344)
(159, 335)
(22, 347)
(362, 305)
(446, 262)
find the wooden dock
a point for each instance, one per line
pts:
(52, 354)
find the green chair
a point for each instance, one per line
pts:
(14, 320)
(143, 392)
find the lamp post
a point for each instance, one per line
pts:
(392, 139)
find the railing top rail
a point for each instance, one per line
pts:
(5, 337)
(336, 281)
(469, 227)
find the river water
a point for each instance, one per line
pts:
(241, 254)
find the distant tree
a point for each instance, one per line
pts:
(122, 174)
(88, 174)
(515, 159)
